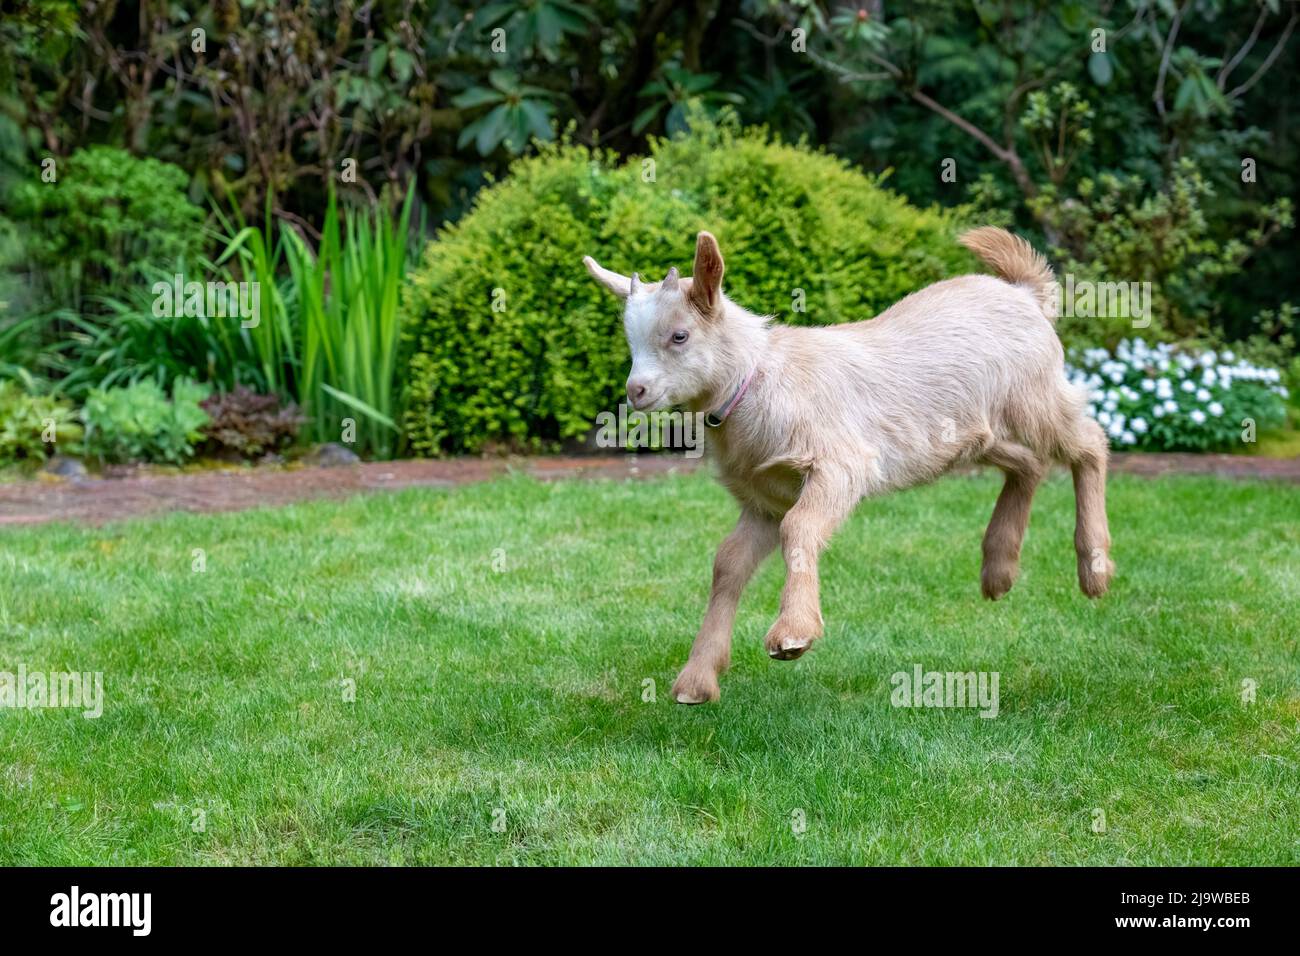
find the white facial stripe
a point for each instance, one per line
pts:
(640, 319)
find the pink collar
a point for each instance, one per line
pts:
(716, 418)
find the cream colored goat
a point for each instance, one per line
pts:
(813, 420)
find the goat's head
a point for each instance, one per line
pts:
(674, 328)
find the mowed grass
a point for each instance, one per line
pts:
(502, 639)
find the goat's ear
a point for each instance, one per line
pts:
(620, 285)
(706, 283)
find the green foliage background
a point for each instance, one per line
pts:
(104, 223)
(1138, 141)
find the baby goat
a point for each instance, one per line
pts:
(809, 421)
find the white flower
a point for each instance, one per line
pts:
(1148, 385)
(1164, 389)
(1228, 357)
(1138, 425)
(1198, 416)
(1158, 411)
(1189, 385)
(1103, 418)
(1128, 438)
(1216, 409)
(1115, 429)
(1202, 395)
(1171, 406)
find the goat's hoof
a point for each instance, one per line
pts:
(1095, 572)
(996, 580)
(788, 651)
(787, 641)
(696, 687)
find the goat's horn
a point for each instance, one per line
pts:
(670, 280)
(636, 284)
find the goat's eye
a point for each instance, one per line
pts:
(680, 336)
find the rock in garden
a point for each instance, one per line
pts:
(330, 455)
(65, 466)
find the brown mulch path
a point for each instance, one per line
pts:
(97, 500)
(1220, 466)
(94, 500)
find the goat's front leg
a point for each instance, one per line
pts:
(739, 555)
(828, 497)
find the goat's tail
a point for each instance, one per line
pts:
(1018, 262)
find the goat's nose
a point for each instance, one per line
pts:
(635, 391)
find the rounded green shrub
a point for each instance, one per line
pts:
(511, 345)
(105, 219)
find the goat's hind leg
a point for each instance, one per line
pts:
(1087, 456)
(1006, 531)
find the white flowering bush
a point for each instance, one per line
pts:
(1163, 398)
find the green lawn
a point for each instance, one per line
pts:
(500, 637)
